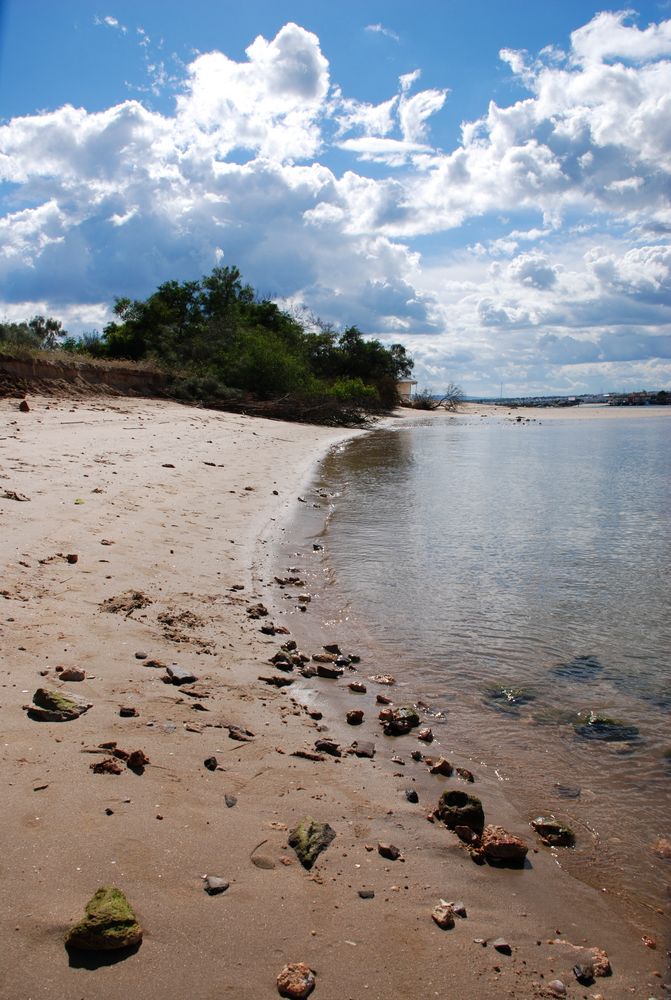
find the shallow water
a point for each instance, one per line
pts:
(514, 576)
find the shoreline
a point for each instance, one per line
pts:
(177, 505)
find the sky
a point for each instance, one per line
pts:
(487, 183)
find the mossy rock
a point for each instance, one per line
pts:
(553, 833)
(592, 726)
(457, 808)
(309, 839)
(109, 924)
(52, 706)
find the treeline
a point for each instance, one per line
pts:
(220, 342)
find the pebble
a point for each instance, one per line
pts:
(411, 795)
(389, 851)
(557, 988)
(502, 946)
(178, 675)
(443, 915)
(230, 800)
(296, 981)
(140, 655)
(73, 674)
(213, 885)
(366, 893)
(128, 712)
(355, 717)
(211, 763)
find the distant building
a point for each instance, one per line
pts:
(404, 389)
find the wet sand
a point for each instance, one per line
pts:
(190, 501)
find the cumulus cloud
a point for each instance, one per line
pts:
(578, 276)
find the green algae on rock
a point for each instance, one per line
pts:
(109, 923)
(309, 839)
(52, 706)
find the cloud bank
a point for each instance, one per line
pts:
(565, 287)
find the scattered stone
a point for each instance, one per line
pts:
(332, 647)
(389, 851)
(329, 670)
(328, 746)
(51, 706)
(584, 973)
(109, 924)
(240, 734)
(557, 988)
(106, 541)
(366, 893)
(466, 835)
(343, 661)
(662, 848)
(358, 687)
(315, 714)
(411, 795)
(178, 675)
(156, 665)
(552, 833)
(460, 910)
(457, 808)
(500, 846)
(296, 980)
(309, 838)
(257, 611)
(426, 735)
(442, 766)
(72, 558)
(401, 722)
(24, 406)
(211, 763)
(382, 679)
(316, 547)
(109, 812)
(13, 495)
(167, 465)
(443, 915)
(230, 801)
(277, 681)
(140, 655)
(502, 946)
(417, 755)
(137, 761)
(73, 674)
(382, 699)
(108, 765)
(355, 717)
(363, 748)
(214, 886)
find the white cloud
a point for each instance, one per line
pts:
(379, 29)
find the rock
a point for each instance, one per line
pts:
(382, 679)
(465, 774)
(213, 885)
(24, 406)
(296, 981)
(211, 763)
(417, 755)
(137, 761)
(557, 988)
(382, 699)
(411, 795)
(240, 734)
(442, 766)
(358, 687)
(502, 946)
(401, 722)
(600, 962)
(584, 973)
(466, 835)
(426, 735)
(230, 801)
(72, 558)
(507, 698)
(277, 681)
(552, 833)
(460, 909)
(332, 647)
(52, 706)
(457, 808)
(109, 923)
(73, 674)
(343, 661)
(309, 839)
(178, 675)
(366, 894)
(592, 726)
(108, 765)
(128, 712)
(329, 670)
(141, 655)
(499, 845)
(389, 851)
(355, 717)
(308, 670)
(662, 848)
(363, 748)
(328, 746)
(257, 611)
(308, 754)
(443, 915)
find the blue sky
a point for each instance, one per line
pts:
(487, 183)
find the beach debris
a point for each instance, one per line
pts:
(296, 980)
(355, 717)
(52, 706)
(552, 833)
(592, 726)
(401, 720)
(457, 809)
(358, 687)
(442, 766)
(13, 495)
(230, 800)
(464, 774)
(126, 603)
(72, 674)
(557, 988)
(211, 763)
(501, 945)
(108, 765)
(239, 733)
(128, 712)
(277, 681)
(328, 746)
(497, 845)
(389, 851)
(309, 838)
(366, 894)
(329, 670)
(411, 795)
(257, 611)
(443, 915)
(426, 735)
(363, 748)
(214, 885)
(108, 925)
(178, 675)
(382, 679)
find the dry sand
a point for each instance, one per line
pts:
(190, 500)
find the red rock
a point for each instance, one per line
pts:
(296, 980)
(499, 845)
(426, 735)
(442, 766)
(24, 407)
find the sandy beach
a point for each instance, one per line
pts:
(172, 514)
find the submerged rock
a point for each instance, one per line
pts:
(296, 981)
(580, 668)
(507, 698)
(592, 726)
(552, 833)
(109, 923)
(309, 839)
(52, 706)
(457, 808)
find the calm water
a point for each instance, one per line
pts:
(512, 576)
